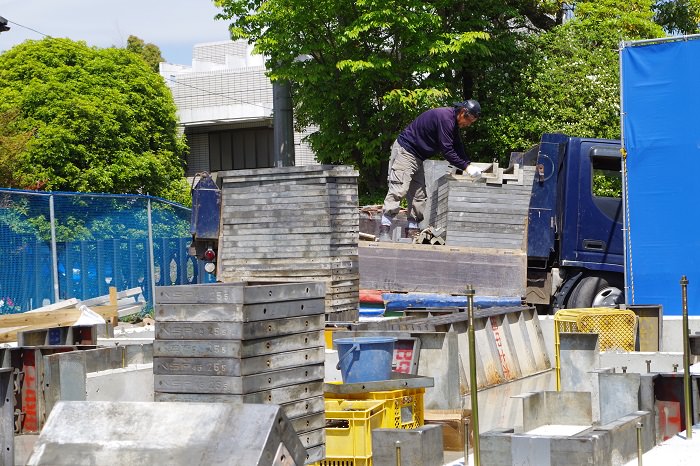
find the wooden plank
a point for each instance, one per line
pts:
(45, 318)
(393, 266)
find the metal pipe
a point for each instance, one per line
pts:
(398, 453)
(54, 253)
(640, 451)
(151, 256)
(686, 361)
(472, 376)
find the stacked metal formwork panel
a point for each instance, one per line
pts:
(245, 343)
(293, 224)
(489, 212)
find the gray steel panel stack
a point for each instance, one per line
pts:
(245, 343)
(293, 224)
(489, 212)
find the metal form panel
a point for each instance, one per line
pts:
(298, 393)
(237, 366)
(238, 293)
(167, 433)
(236, 330)
(261, 205)
(239, 312)
(237, 348)
(246, 343)
(489, 212)
(7, 431)
(237, 385)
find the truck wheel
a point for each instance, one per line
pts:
(596, 292)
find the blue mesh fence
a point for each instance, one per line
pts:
(58, 245)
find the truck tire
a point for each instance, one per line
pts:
(596, 292)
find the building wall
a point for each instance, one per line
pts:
(224, 89)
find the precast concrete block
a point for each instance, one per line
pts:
(618, 395)
(555, 408)
(420, 446)
(578, 356)
(495, 447)
(530, 450)
(176, 434)
(132, 383)
(619, 437)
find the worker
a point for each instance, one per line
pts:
(434, 131)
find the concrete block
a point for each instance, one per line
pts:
(578, 356)
(176, 434)
(555, 408)
(618, 439)
(495, 447)
(618, 395)
(530, 449)
(419, 446)
(132, 383)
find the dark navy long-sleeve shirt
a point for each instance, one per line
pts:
(435, 131)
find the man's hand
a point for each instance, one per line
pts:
(473, 170)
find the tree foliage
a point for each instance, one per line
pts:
(149, 52)
(569, 78)
(678, 16)
(12, 145)
(361, 70)
(102, 121)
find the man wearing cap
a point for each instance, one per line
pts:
(434, 131)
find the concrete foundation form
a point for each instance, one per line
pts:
(557, 430)
(178, 434)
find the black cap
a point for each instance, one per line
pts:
(471, 106)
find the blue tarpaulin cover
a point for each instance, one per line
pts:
(660, 96)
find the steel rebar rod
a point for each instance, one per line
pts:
(640, 451)
(472, 377)
(686, 361)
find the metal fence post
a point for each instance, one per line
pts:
(54, 253)
(151, 256)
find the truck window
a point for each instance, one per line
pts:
(607, 181)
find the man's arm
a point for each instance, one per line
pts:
(451, 144)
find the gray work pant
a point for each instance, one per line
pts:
(406, 178)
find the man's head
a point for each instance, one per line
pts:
(468, 112)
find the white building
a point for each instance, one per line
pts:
(224, 103)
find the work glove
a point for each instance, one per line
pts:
(473, 170)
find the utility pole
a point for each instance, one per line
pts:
(283, 120)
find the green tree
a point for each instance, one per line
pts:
(568, 80)
(149, 52)
(360, 70)
(102, 120)
(678, 16)
(12, 145)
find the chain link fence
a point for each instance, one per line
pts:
(55, 246)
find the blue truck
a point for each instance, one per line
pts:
(575, 243)
(568, 254)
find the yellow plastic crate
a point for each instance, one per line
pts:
(616, 329)
(345, 462)
(349, 425)
(403, 409)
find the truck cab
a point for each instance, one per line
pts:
(575, 236)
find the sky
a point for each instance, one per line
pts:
(173, 25)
